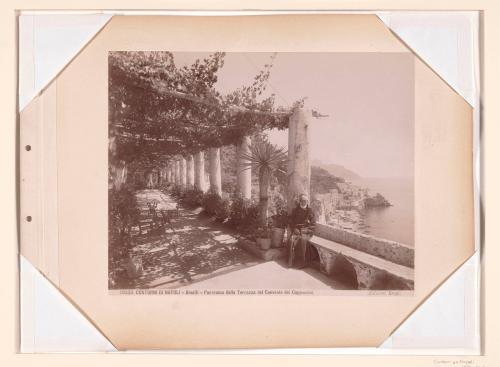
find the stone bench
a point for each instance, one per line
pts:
(372, 272)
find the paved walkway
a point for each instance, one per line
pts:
(270, 275)
(198, 253)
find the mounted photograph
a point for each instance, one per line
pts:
(278, 173)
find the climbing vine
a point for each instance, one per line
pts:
(159, 110)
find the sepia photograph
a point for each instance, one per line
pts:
(279, 172)
(269, 166)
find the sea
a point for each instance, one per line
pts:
(395, 222)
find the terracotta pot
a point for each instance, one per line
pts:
(264, 243)
(277, 237)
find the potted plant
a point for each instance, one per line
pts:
(263, 238)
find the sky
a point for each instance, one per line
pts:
(368, 98)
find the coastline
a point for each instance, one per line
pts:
(394, 222)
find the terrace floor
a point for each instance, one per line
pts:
(194, 252)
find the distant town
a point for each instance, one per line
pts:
(338, 201)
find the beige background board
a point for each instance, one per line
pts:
(490, 32)
(444, 236)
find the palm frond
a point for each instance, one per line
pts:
(264, 156)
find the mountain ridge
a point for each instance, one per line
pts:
(337, 170)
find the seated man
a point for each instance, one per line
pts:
(302, 221)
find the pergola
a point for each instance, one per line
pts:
(174, 116)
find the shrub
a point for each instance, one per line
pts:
(242, 211)
(210, 202)
(216, 206)
(177, 192)
(193, 198)
(123, 213)
(222, 210)
(278, 204)
(166, 186)
(280, 217)
(263, 232)
(252, 214)
(279, 220)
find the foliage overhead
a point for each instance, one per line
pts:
(157, 109)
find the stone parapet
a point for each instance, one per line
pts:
(392, 251)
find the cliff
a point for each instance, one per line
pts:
(336, 170)
(377, 200)
(322, 182)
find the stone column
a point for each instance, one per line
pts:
(207, 180)
(150, 179)
(119, 175)
(299, 169)
(190, 171)
(156, 177)
(183, 172)
(215, 170)
(168, 173)
(177, 172)
(243, 171)
(199, 171)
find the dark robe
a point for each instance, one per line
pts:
(302, 218)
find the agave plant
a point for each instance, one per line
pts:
(265, 158)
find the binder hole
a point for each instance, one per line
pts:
(28, 147)
(28, 218)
